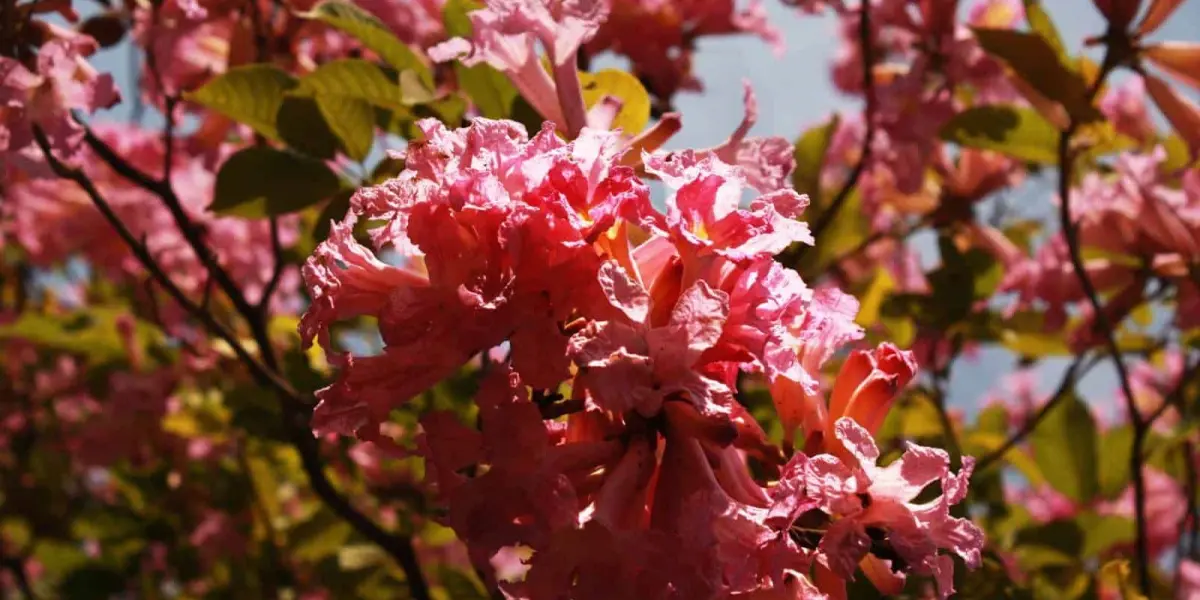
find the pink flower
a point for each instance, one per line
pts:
(632, 364)
(1166, 509)
(826, 325)
(61, 82)
(869, 509)
(1125, 105)
(503, 232)
(703, 213)
(1189, 580)
(505, 33)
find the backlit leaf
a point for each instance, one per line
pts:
(635, 101)
(1065, 444)
(810, 153)
(1018, 132)
(373, 34)
(1037, 62)
(250, 94)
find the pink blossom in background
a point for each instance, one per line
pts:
(55, 219)
(43, 95)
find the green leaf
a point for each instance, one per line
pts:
(460, 586)
(322, 535)
(979, 443)
(1102, 532)
(871, 300)
(635, 101)
(1035, 60)
(1016, 131)
(1052, 544)
(92, 582)
(1118, 574)
(1065, 445)
(261, 181)
(412, 90)
(454, 16)
(335, 210)
(845, 232)
(360, 556)
(373, 34)
(352, 120)
(91, 332)
(303, 128)
(809, 153)
(250, 94)
(354, 78)
(490, 90)
(1041, 24)
(1178, 155)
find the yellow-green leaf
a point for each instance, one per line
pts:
(353, 78)
(635, 102)
(250, 94)
(810, 153)
(1041, 24)
(373, 34)
(1034, 59)
(352, 120)
(1065, 444)
(1016, 131)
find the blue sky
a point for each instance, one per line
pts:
(794, 92)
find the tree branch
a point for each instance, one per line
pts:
(295, 411)
(1065, 386)
(1066, 160)
(264, 303)
(826, 218)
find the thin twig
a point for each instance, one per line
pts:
(143, 255)
(169, 104)
(295, 413)
(941, 378)
(1066, 160)
(868, 72)
(264, 302)
(1065, 386)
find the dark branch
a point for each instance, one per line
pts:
(295, 411)
(1102, 324)
(827, 217)
(1065, 387)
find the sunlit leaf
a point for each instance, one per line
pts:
(1116, 444)
(353, 78)
(1041, 24)
(90, 332)
(635, 101)
(1118, 574)
(1102, 532)
(809, 152)
(1065, 444)
(1015, 131)
(1037, 62)
(250, 94)
(373, 34)
(352, 120)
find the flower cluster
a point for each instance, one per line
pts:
(610, 434)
